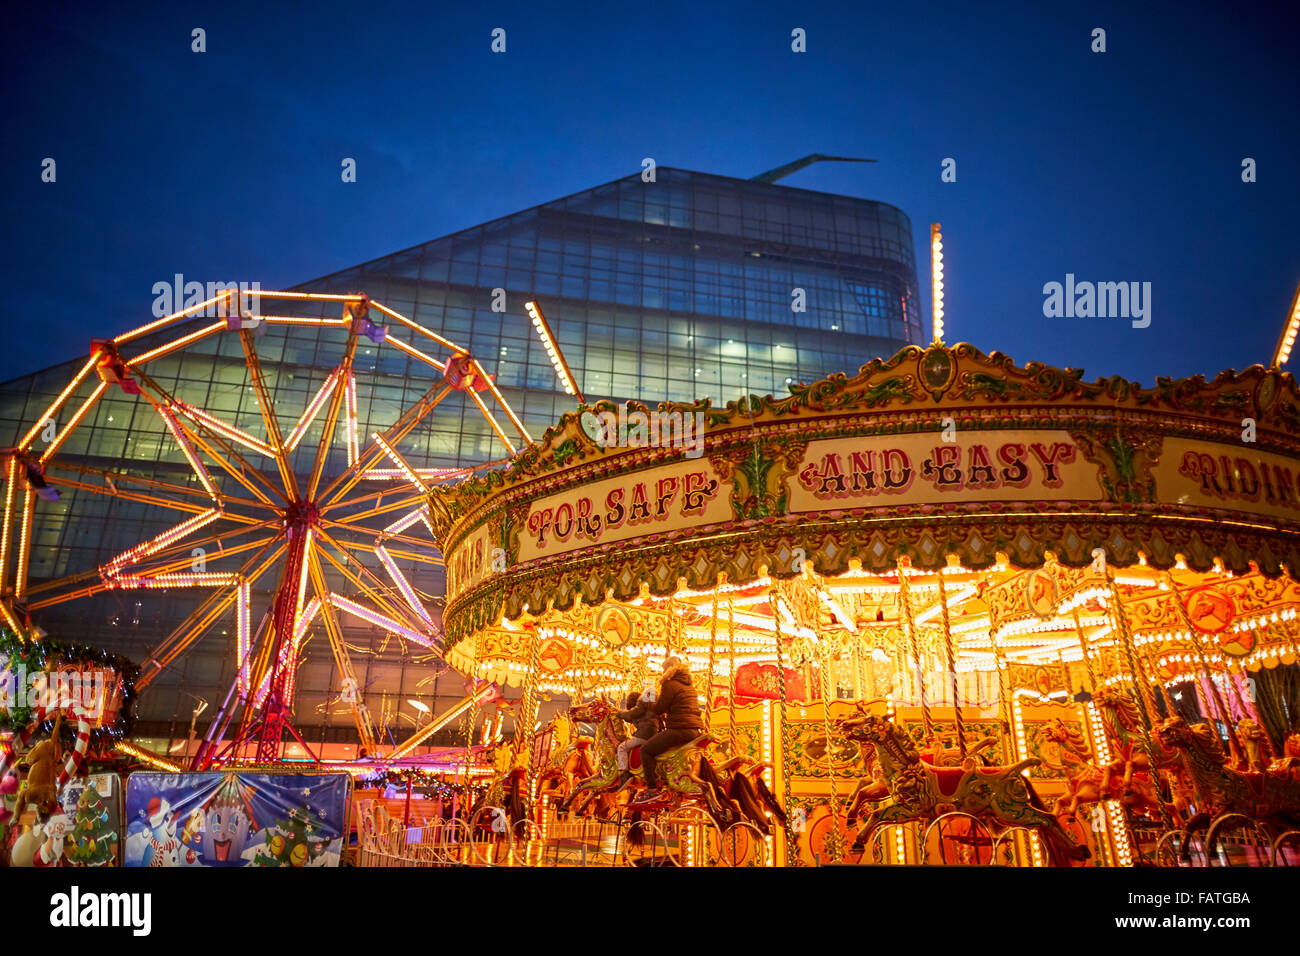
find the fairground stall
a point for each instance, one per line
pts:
(946, 610)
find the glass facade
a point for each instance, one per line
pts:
(686, 287)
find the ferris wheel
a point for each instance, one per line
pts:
(303, 523)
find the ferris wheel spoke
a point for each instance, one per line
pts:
(373, 548)
(409, 501)
(501, 400)
(416, 327)
(407, 421)
(154, 500)
(114, 478)
(214, 437)
(376, 590)
(182, 637)
(184, 551)
(113, 584)
(174, 345)
(331, 422)
(264, 404)
(73, 422)
(57, 405)
(394, 616)
(360, 715)
(491, 420)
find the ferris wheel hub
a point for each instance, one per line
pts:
(301, 514)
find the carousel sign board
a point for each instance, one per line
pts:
(868, 469)
(840, 473)
(668, 498)
(1213, 475)
(915, 469)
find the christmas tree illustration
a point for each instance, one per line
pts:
(94, 840)
(294, 841)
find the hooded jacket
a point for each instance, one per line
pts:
(639, 717)
(678, 703)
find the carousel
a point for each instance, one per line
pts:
(947, 610)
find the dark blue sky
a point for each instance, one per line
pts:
(225, 165)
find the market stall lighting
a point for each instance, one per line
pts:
(148, 758)
(936, 278)
(1287, 340)
(562, 370)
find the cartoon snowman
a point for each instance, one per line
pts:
(164, 847)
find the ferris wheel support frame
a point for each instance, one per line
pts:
(266, 660)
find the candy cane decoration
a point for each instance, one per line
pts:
(78, 754)
(74, 760)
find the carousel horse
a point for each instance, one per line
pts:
(1255, 742)
(685, 772)
(873, 789)
(870, 789)
(1123, 726)
(1289, 762)
(1271, 799)
(923, 792)
(940, 754)
(1089, 783)
(506, 791)
(569, 762)
(745, 786)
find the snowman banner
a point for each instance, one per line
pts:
(227, 818)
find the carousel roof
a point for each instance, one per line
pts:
(807, 511)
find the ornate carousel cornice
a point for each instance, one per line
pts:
(757, 451)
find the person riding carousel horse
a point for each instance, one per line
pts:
(680, 708)
(643, 723)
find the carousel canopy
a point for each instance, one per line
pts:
(933, 453)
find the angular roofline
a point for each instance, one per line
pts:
(753, 184)
(750, 183)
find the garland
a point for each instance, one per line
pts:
(38, 655)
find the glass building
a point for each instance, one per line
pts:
(693, 285)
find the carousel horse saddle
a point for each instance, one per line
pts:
(949, 778)
(634, 758)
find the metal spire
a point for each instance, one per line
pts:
(772, 175)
